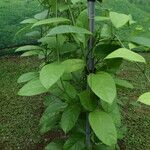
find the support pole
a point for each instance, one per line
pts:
(91, 14)
(90, 61)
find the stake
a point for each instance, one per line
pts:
(90, 61)
(91, 14)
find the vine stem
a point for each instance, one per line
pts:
(57, 41)
(71, 14)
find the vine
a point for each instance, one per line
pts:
(79, 73)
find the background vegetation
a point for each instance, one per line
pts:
(12, 12)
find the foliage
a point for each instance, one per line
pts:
(67, 75)
(20, 115)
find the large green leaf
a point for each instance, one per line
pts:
(28, 48)
(114, 111)
(141, 41)
(49, 122)
(41, 15)
(145, 98)
(53, 146)
(72, 65)
(87, 101)
(82, 20)
(50, 74)
(100, 18)
(29, 21)
(33, 87)
(70, 117)
(68, 48)
(51, 116)
(103, 85)
(75, 142)
(126, 54)
(118, 19)
(75, 1)
(123, 83)
(31, 53)
(50, 21)
(70, 89)
(27, 77)
(52, 41)
(104, 127)
(63, 29)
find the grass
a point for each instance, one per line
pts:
(12, 12)
(20, 115)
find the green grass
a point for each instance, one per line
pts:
(12, 12)
(20, 115)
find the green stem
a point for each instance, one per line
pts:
(57, 41)
(71, 14)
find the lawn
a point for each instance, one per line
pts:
(20, 115)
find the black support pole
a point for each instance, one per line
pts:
(90, 61)
(91, 15)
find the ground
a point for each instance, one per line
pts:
(20, 115)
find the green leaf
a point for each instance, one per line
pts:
(50, 74)
(141, 41)
(41, 15)
(103, 85)
(82, 19)
(33, 87)
(50, 21)
(30, 53)
(114, 111)
(87, 101)
(55, 106)
(63, 29)
(75, 1)
(145, 98)
(33, 34)
(53, 146)
(104, 127)
(105, 31)
(126, 54)
(68, 48)
(27, 77)
(52, 41)
(70, 117)
(72, 65)
(118, 19)
(28, 48)
(29, 21)
(123, 83)
(70, 89)
(100, 18)
(23, 30)
(49, 122)
(51, 116)
(74, 143)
